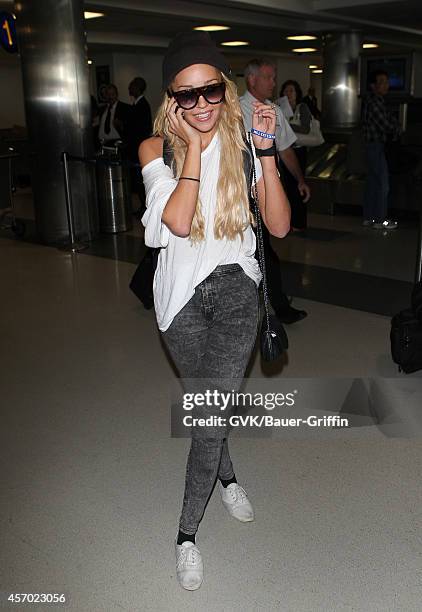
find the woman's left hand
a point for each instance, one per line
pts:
(264, 120)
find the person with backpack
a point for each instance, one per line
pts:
(206, 280)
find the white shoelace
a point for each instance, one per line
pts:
(238, 494)
(188, 556)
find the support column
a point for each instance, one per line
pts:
(340, 103)
(58, 116)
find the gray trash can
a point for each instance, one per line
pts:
(114, 192)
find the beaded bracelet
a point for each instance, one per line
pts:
(263, 134)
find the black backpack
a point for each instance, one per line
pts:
(406, 341)
(406, 329)
(141, 283)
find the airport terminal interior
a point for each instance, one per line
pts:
(92, 478)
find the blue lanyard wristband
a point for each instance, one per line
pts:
(262, 134)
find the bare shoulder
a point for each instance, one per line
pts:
(150, 149)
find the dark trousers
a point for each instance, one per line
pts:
(278, 299)
(210, 341)
(377, 183)
(299, 218)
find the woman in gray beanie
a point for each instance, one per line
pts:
(207, 277)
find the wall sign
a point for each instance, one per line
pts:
(8, 37)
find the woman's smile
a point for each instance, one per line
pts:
(203, 116)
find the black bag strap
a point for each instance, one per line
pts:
(168, 155)
(418, 272)
(168, 158)
(259, 239)
(248, 163)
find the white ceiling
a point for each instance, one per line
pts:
(395, 24)
(264, 23)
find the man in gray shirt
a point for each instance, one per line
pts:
(260, 81)
(260, 76)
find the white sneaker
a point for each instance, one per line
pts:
(386, 224)
(189, 567)
(236, 502)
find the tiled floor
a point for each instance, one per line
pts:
(93, 482)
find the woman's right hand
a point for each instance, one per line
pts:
(178, 125)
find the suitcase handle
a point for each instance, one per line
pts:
(418, 271)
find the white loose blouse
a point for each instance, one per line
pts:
(182, 265)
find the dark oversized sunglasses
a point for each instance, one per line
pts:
(189, 98)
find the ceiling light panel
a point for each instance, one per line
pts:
(304, 50)
(89, 15)
(235, 43)
(302, 37)
(212, 28)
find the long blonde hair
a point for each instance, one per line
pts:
(232, 213)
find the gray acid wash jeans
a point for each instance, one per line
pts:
(211, 339)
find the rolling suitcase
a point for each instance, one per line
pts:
(406, 326)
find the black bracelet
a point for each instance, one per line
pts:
(266, 152)
(189, 178)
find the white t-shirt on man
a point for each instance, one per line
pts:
(284, 135)
(113, 133)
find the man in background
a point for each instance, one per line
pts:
(379, 126)
(260, 76)
(114, 121)
(140, 128)
(141, 121)
(312, 103)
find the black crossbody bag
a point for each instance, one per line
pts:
(273, 337)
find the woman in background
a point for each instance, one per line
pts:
(300, 122)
